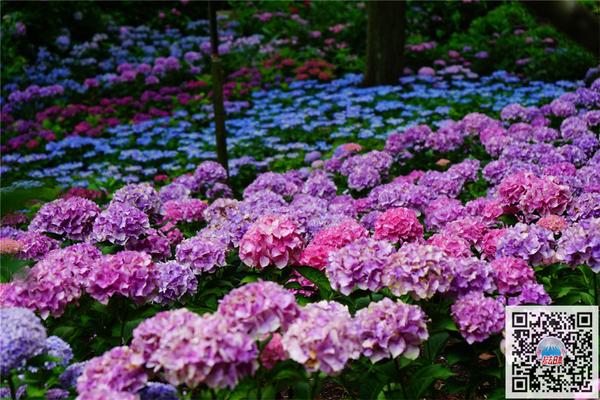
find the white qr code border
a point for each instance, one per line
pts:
(511, 356)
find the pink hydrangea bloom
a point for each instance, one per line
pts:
(398, 225)
(511, 274)
(454, 246)
(273, 352)
(184, 210)
(489, 242)
(272, 239)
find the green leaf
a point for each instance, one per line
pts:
(10, 266)
(423, 378)
(434, 344)
(318, 278)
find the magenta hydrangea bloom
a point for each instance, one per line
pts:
(205, 350)
(330, 239)
(390, 329)
(273, 352)
(272, 239)
(580, 244)
(154, 242)
(173, 281)
(202, 253)
(147, 335)
(139, 195)
(119, 369)
(420, 270)
(471, 275)
(259, 308)
(478, 317)
(184, 210)
(130, 274)
(323, 338)
(471, 229)
(34, 246)
(511, 274)
(398, 225)
(119, 223)
(358, 265)
(453, 246)
(72, 218)
(489, 242)
(532, 243)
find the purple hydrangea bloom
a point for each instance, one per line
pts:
(320, 185)
(68, 379)
(35, 245)
(531, 293)
(277, 183)
(174, 191)
(363, 177)
(323, 338)
(312, 156)
(10, 232)
(511, 274)
(259, 308)
(532, 243)
(202, 253)
(154, 243)
(219, 190)
(119, 223)
(471, 275)
(158, 391)
(72, 217)
(130, 274)
(478, 316)
(58, 348)
(420, 270)
(358, 264)
(441, 211)
(390, 329)
(57, 394)
(208, 173)
(119, 369)
(22, 337)
(139, 195)
(580, 244)
(585, 206)
(173, 281)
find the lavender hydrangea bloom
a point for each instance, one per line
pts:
(58, 348)
(219, 190)
(158, 391)
(139, 195)
(202, 253)
(173, 191)
(531, 293)
(587, 205)
(119, 223)
(72, 217)
(57, 394)
(173, 281)
(471, 275)
(363, 177)
(420, 270)
(35, 245)
(358, 264)
(208, 173)
(323, 338)
(68, 379)
(10, 232)
(319, 184)
(22, 337)
(390, 329)
(478, 316)
(529, 242)
(580, 244)
(277, 183)
(259, 308)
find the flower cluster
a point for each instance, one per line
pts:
(73, 218)
(398, 225)
(478, 316)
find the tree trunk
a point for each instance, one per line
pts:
(217, 84)
(572, 18)
(385, 42)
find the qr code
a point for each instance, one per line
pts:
(552, 352)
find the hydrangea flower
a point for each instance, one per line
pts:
(130, 274)
(532, 243)
(68, 379)
(553, 223)
(390, 329)
(58, 348)
(420, 270)
(272, 239)
(119, 223)
(441, 211)
(258, 308)
(358, 264)
(273, 352)
(72, 218)
(323, 338)
(478, 317)
(398, 225)
(453, 246)
(277, 183)
(173, 191)
(511, 274)
(184, 210)
(120, 369)
(202, 253)
(22, 337)
(34, 246)
(580, 244)
(173, 281)
(320, 185)
(531, 293)
(330, 239)
(208, 173)
(139, 195)
(186, 354)
(158, 391)
(471, 275)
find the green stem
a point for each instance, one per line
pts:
(314, 389)
(596, 294)
(397, 364)
(11, 384)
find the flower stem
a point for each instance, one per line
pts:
(11, 385)
(314, 389)
(397, 364)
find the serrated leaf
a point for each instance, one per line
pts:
(424, 377)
